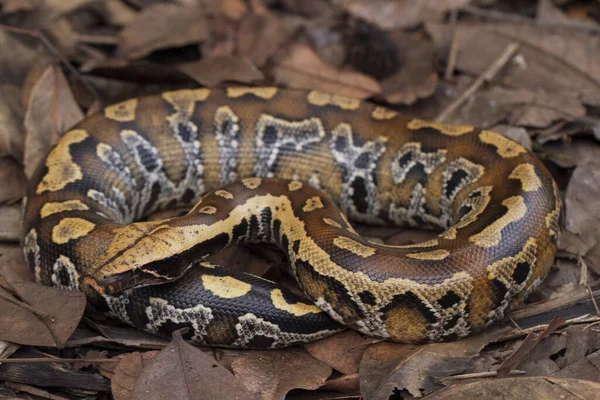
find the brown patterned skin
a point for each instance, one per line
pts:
(287, 158)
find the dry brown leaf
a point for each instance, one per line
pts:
(342, 351)
(181, 371)
(394, 14)
(559, 61)
(12, 180)
(581, 202)
(272, 374)
(302, 68)
(417, 77)
(259, 37)
(215, 70)
(127, 372)
(12, 131)
(161, 26)
(51, 110)
(10, 223)
(233, 9)
(386, 367)
(21, 326)
(13, 6)
(539, 388)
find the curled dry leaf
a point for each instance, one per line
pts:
(563, 61)
(10, 223)
(160, 26)
(386, 367)
(212, 71)
(417, 77)
(342, 351)
(127, 372)
(394, 14)
(259, 37)
(182, 371)
(51, 110)
(272, 374)
(62, 310)
(12, 180)
(539, 387)
(302, 68)
(581, 202)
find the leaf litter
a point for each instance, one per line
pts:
(427, 59)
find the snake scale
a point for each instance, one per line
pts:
(285, 167)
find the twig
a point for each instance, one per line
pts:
(515, 323)
(452, 56)
(589, 288)
(58, 360)
(577, 295)
(36, 33)
(488, 74)
(26, 306)
(475, 375)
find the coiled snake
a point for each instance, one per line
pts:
(283, 155)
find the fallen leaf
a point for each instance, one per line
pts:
(532, 340)
(212, 71)
(417, 77)
(557, 60)
(160, 26)
(394, 14)
(182, 371)
(387, 367)
(10, 223)
(259, 37)
(12, 131)
(111, 336)
(12, 181)
(51, 110)
(539, 387)
(302, 68)
(64, 308)
(581, 202)
(272, 374)
(127, 372)
(233, 9)
(342, 351)
(346, 384)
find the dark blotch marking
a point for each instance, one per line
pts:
(499, 291)
(188, 196)
(417, 172)
(451, 323)
(147, 158)
(449, 299)
(260, 342)
(410, 300)
(367, 298)
(254, 226)
(359, 195)
(521, 272)
(405, 159)
(276, 230)
(455, 180)
(341, 143)
(363, 160)
(185, 132)
(285, 243)
(269, 135)
(296, 246)
(240, 230)
(464, 210)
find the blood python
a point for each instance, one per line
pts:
(272, 165)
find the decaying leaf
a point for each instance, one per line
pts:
(539, 387)
(259, 38)
(302, 68)
(386, 367)
(51, 110)
(182, 371)
(62, 310)
(417, 77)
(161, 26)
(271, 374)
(12, 180)
(127, 372)
(213, 71)
(581, 202)
(10, 223)
(342, 351)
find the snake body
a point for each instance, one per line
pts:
(273, 165)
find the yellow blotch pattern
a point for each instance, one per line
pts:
(70, 229)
